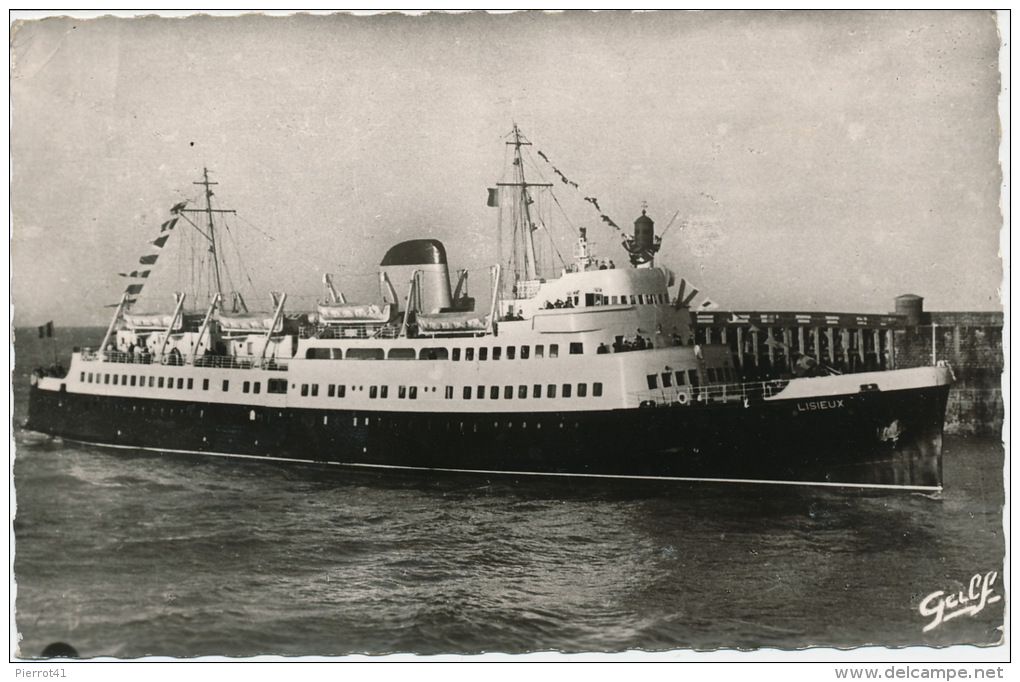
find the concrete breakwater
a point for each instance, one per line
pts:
(783, 344)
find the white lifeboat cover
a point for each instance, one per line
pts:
(248, 322)
(451, 322)
(151, 320)
(354, 312)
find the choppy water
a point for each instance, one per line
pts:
(131, 554)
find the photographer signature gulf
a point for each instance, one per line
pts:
(941, 606)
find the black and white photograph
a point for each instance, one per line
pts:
(562, 336)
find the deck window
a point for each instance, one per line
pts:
(115, 378)
(449, 393)
(434, 354)
(680, 377)
(522, 392)
(511, 352)
(341, 390)
(317, 354)
(653, 381)
(469, 354)
(493, 392)
(90, 377)
(180, 382)
(692, 374)
(315, 390)
(276, 386)
(134, 380)
(566, 390)
(508, 392)
(467, 393)
(412, 393)
(550, 391)
(576, 348)
(554, 350)
(536, 391)
(226, 384)
(582, 390)
(365, 354)
(384, 392)
(330, 392)
(667, 379)
(497, 351)
(373, 392)
(456, 355)
(304, 390)
(525, 352)
(161, 380)
(83, 377)
(402, 354)
(205, 384)
(191, 385)
(257, 388)
(245, 387)
(596, 389)
(401, 392)
(539, 350)
(483, 354)
(481, 393)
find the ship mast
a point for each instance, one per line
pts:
(211, 236)
(523, 231)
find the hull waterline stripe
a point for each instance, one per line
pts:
(677, 479)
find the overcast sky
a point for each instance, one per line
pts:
(818, 160)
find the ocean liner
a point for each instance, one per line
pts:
(582, 369)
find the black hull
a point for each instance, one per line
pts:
(880, 439)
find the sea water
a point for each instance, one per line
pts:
(128, 554)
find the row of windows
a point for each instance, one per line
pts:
(340, 390)
(681, 379)
(273, 385)
(479, 392)
(633, 299)
(603, 299)
(135, 380)
(442, 353)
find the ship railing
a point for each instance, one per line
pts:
(175, 359)
(339, 331)
(230, 362)
(527, 288)
(350, 331)
(747, 393)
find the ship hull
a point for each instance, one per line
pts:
(870, 439)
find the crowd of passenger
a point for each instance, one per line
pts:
(55, 370)
(623, 345)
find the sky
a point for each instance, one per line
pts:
(817, 161)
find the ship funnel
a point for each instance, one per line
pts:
(428, 257)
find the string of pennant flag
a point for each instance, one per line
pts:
(135, 288)
(494, 197)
